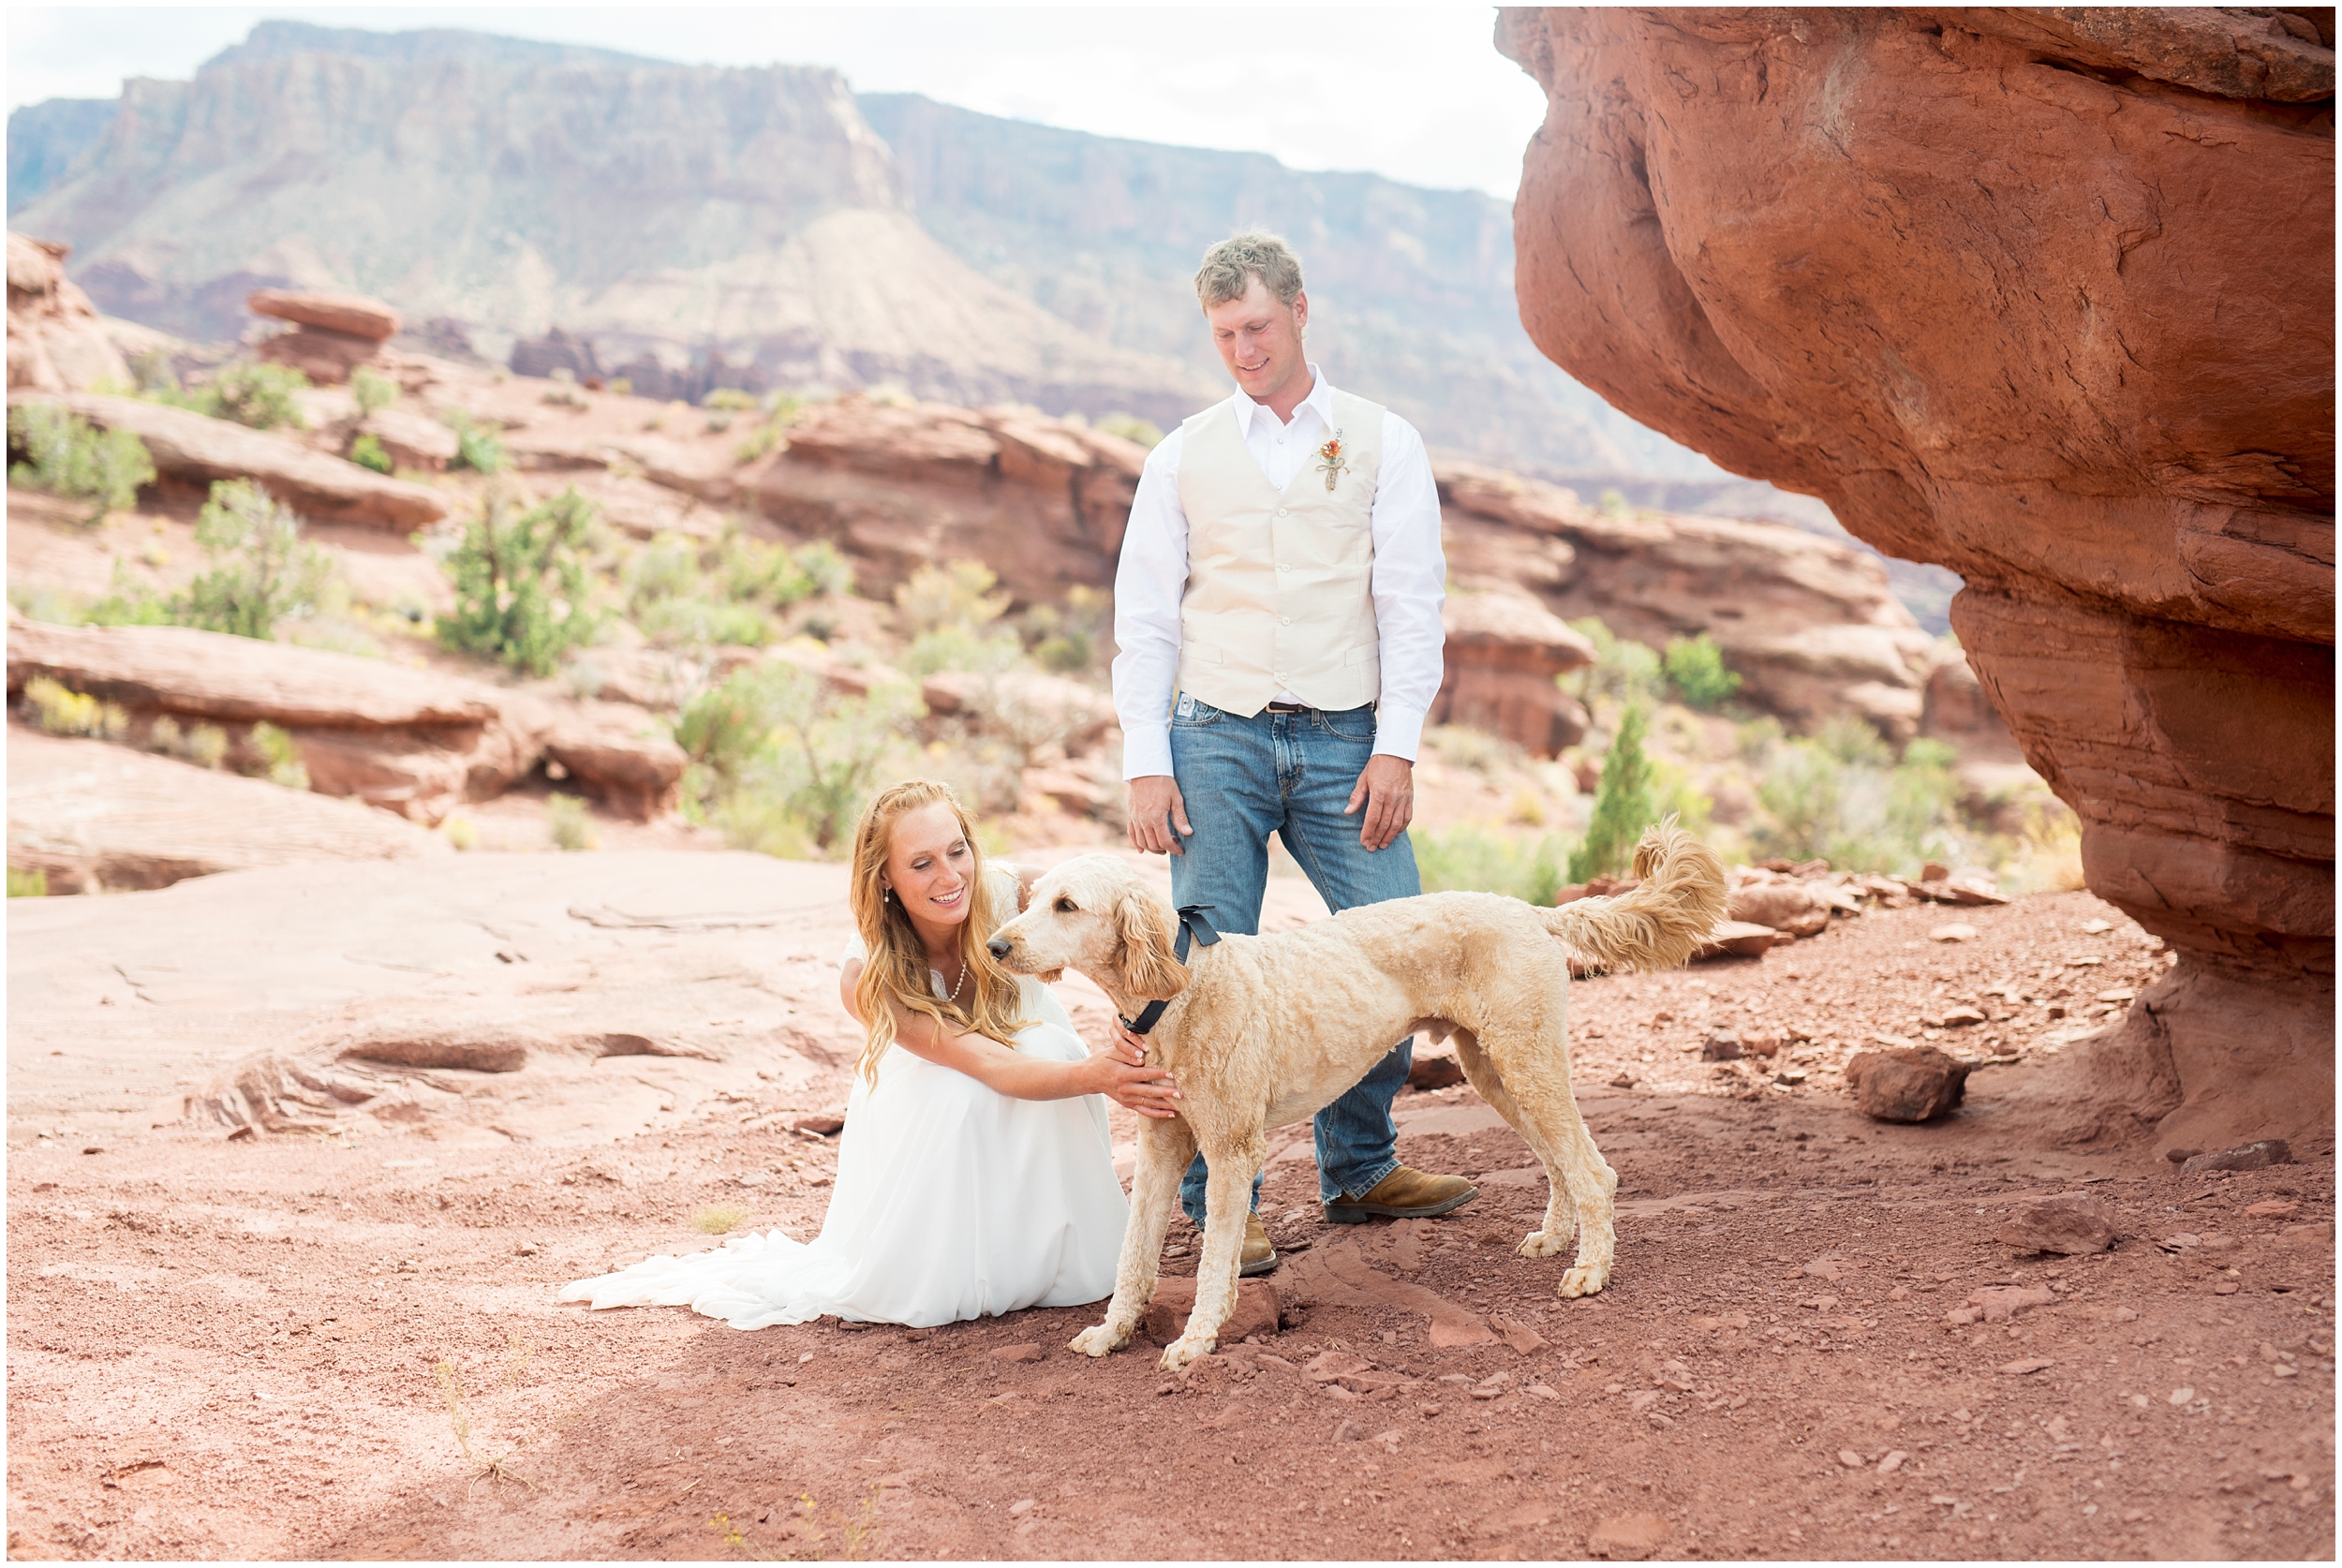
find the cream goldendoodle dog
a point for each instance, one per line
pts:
(1263, 1031)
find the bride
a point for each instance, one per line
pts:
(976, 1175)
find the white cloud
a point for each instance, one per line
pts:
(1415, 92)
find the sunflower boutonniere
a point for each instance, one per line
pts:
(1331, 461)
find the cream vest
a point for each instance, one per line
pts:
(1280, 586)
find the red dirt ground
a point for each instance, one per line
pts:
(232, 1350)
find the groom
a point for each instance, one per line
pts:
(1277, 609)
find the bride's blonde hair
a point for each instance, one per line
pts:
(896, 974)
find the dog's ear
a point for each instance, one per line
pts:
(1151, 971)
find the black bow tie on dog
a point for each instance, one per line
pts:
(1193, 925)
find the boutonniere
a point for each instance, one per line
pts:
(1331, 462)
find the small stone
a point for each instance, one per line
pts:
(1627, 1537)
(1964, 1017)
(2181, 1156)
(1722, 1045)
(1910, 1082)
(1021, 1507)
(1893, 1462)
(2226, 1287)
(1957, 931)
(752, 1178)
(1849, 1458)
(1934, 871)
(2073, 1225)
(525, 1249)
(821, 1127)
(2029, 1364)
(1737, 939)
(1016, 1353)
(2181, 1396)
(1624, 1081)
(1350, 1431)
(1761, 1042)
(1789, 1077)
(2118, 994)
(1999, 1302)
(2096, 928)
(2249, 1157)
(2274, 1208)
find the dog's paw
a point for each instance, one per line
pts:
(1544, 1244)
(1584, 1280)
(1183, 1351)
(1099, 1340)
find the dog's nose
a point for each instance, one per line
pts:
(997, 948)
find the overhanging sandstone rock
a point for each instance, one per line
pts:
(1928, 265)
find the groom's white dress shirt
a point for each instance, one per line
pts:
(1409, 580)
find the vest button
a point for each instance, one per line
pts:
(1284, 620)
(1283, 566)
(1281, 511)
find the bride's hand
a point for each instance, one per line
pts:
(1124, 1076)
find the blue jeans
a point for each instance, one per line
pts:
(1290, 774)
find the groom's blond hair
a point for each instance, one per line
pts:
(1230, 266)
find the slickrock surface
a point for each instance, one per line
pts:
(1815, 1346)
(96, 818)
(2045, 297)
(192, 450)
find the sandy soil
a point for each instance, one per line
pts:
(322, 1347)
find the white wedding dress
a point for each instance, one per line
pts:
(953, 1202)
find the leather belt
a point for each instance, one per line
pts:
(1290, 707)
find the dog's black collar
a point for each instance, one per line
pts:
(1193, 924)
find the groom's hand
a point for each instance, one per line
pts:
(1130, 1083)
(1386, 789)
(1150, 800)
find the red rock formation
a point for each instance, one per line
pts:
(56, 338)
(1810, 625)
(192, 450)
(2045, 297)
(1043, 502)
(1504, 650)
(332, 334)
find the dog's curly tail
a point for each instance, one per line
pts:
(1658, 925)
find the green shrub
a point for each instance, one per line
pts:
(1474, 859)
(1841, 796)
(956, 647)
(366, 451)
(1623, 806)
(730, 399)
(1067, 638)
(1695, 667)
(1131, 428)
(250, 392)
(825, 566)
(780, 759)
(205, 746)
(27, 885)
(262, 571)
(278, 758)
(72, 460)
(570, 825)
(959, 594)
(1625, 670)
(62, 711)
(521, 582)
(477, 447)
(371, 390)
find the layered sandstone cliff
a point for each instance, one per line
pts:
(2045, 297)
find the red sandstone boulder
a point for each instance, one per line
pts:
(622, 753)
(58, 341)
(1786, 906)
(1504, 650)
(1929, 265)
(412, 741)
(333, 334)
(1043, 502)
(1810, 625)
(1906, 1083)
(192, 450)
(1257, 1310)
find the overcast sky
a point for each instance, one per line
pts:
(1415, 92)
